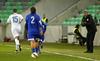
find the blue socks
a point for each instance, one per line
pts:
(33, 50)
(38, 50)
(39, 43)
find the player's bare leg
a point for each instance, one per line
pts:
(33, 46)
(37, 46)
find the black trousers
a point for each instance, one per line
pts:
(90, 39)
(82, 41)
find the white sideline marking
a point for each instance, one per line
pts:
(62, 54)
(72, 56)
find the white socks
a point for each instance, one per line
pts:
(17, 47)
(17, 43)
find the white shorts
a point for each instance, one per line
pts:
(16, 31)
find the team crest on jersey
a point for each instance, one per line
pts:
(87, 19)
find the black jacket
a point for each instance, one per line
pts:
(90, 25)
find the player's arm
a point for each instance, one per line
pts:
(41, 33)
(44, 28)
(9, 20)
(26, 23)
(40, 25)
(21, 18)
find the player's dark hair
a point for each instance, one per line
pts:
(33, 10)
(77, 26)
(85, 11)
(14, 10)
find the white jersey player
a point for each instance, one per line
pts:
(15, 20)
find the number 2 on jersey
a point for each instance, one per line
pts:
(15, 19)
(32, 19)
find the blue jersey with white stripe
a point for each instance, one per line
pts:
(33, 24)
(43, 26)
(41, 38)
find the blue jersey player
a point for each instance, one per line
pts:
(34, 28)
(41, 38)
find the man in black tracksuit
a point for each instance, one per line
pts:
(91, 30)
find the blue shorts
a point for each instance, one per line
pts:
(36, 37)
(40, 38)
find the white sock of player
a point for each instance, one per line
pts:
(17, 43)
(17, 47)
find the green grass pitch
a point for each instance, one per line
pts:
(66, 52)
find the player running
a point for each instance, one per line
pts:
(34, 28)
(41, 38)
(15, 20)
